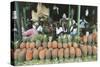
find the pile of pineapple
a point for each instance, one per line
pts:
(42, 49)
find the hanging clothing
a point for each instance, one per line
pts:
(64, 18)
(83, 23)
(73, 29)
(40, 29)
(30, 32)
(64, 30)
(34, 26)
(59, 30)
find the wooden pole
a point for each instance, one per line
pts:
(78, 19)
(69, 13)
(18, 20)
(24, 18)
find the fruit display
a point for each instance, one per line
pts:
(53, 33)
(55, 51)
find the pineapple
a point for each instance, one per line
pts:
(22, 55)
(42, 57)
(89, 49)
(59, 42)
(24, 50)
(89, 46)
(50, 43)
(81, 39)
(16, 53)
(22, 45)
(44, 43)
(40, 48)
(72, 53)
(35, 53)
(54, 55)
(94, 37)
(69, 41)
(42, 54)
(38, 43)
(94, 49)
(85, 38)
(54, 44)
(94, 34)
(29, 54)
(66, 54)
(65, 41)
(69, 44)
(17, 44)
(84, 52)
(90, 39)
(28, 43)
(48, 55)
(38, 38)
(32, 45)
(78, 54)
(60, 54)
(76, 41)
(75, 45)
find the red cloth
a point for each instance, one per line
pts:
(30, 32)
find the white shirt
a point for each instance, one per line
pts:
(87, 33)
(34, 26)
(74, 31)
(40, 28)
(65, 30)
(59, 30)
(82, 25)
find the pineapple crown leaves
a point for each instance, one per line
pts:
(90, 39)
(76, 38)
(15, 44)
(28, 39)
(50, 38)
(37, 37)
(59, 39)
(69, 37)
(64, 38)
(45, 38)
